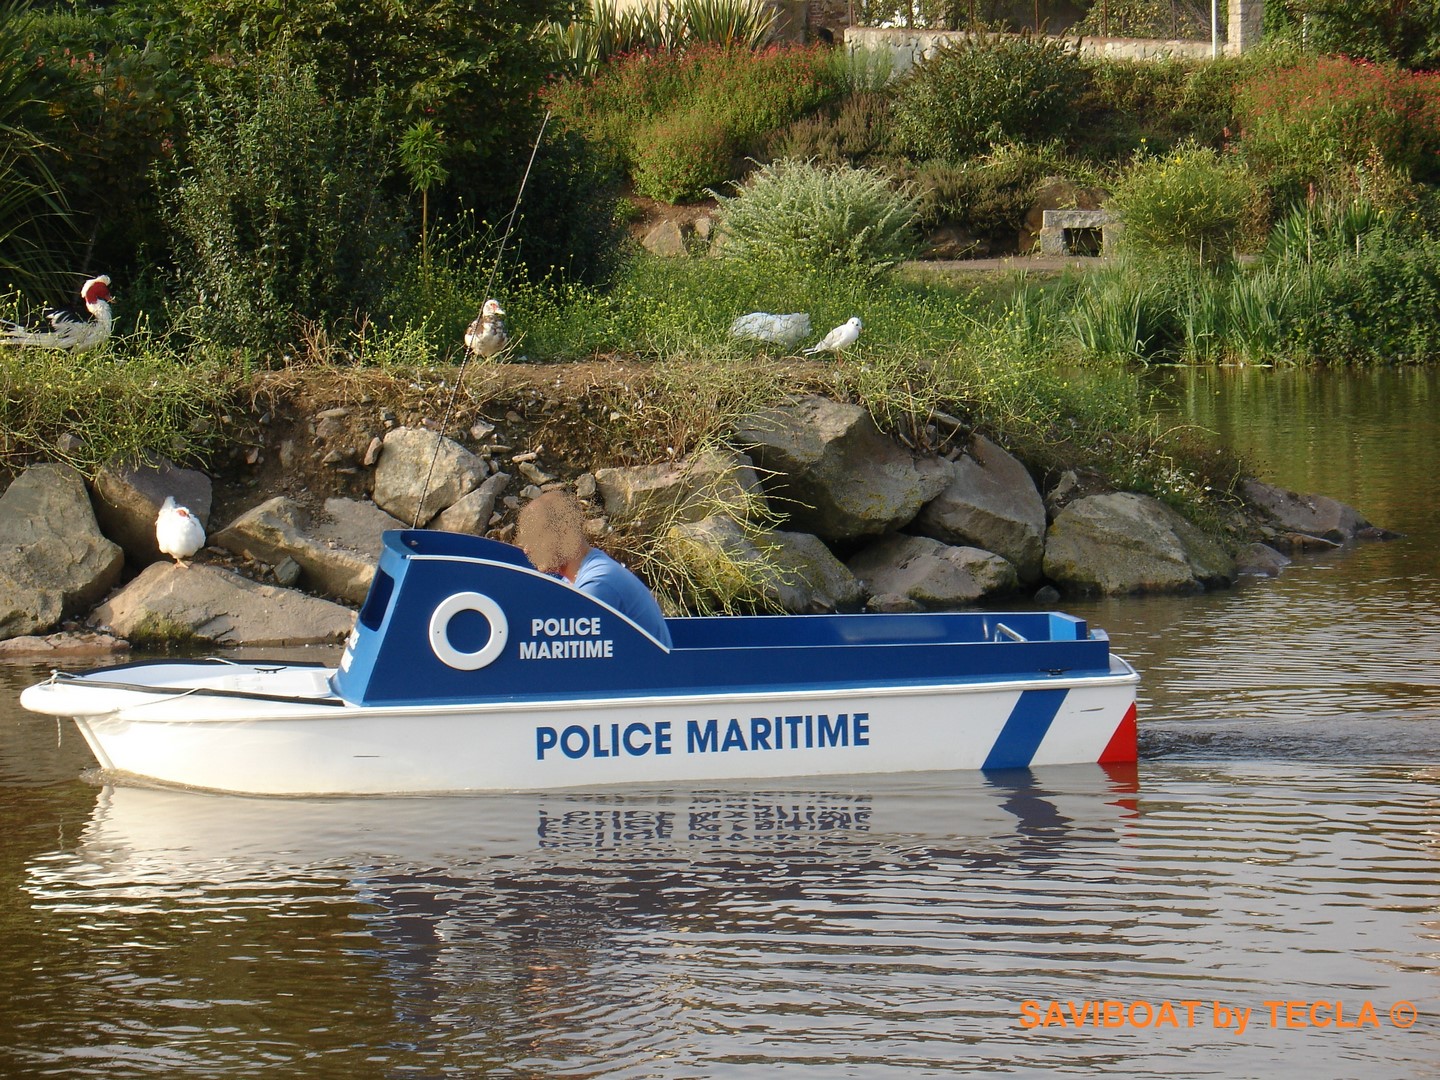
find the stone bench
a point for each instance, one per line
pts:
(1075, 232)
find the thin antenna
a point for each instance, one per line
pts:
(489, 285)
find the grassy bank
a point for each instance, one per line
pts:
(652, 373)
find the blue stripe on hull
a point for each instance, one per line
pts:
(1022, 734)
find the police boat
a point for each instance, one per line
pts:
(470, 671)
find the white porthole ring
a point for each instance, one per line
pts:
(446, 610)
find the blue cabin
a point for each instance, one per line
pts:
(452, 618)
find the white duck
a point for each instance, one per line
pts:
(842, 337)
(178, 532)
(66, 333)
(486, 335)
(786, 330)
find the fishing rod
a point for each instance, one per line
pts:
(489, 287)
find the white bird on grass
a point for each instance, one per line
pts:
(66, 333)
(786, 330)
(486, 335)
(178, 532)
(842, 337)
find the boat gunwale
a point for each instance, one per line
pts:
(336, 708)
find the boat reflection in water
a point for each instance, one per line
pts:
(197, 841)
(562, 930)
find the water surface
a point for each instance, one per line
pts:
(1276, 850)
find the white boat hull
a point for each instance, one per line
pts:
(318, 745)
(470, 671)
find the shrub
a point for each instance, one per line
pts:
(1379, 30)
(984, 91)
(31, 214)
(1145, 19)
(1306, 124)
(277, 210)
(852, 131)
(802, 215)
(1192, 199)
(569, 215)
(681, 154)
(113, 93)
(1377, 304)
(990, 196)
(1159, 103)
(700, 106)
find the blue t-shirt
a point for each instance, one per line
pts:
(605, 579)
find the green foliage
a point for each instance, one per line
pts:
(679, 155)
(158, 400)
(855, 130)
(818, 218)
(1157, 104)
(1309, 123)
(278, 212)
(1379, 30)
(569, 219)
(1192, 200)
(605, 31)
(864, 71)
(1120, 316)
(989, 196)
(468, 65)
(31, 209)
(679, 121)
(422, 149)
(984, 91)
(113, 90)
(1375, 305)
(1147, 19)
(426, 307)
(1337, 284)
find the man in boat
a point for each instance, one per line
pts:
(551, 532)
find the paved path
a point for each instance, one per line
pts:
(1017, 263)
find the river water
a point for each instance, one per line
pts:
(1258, 898)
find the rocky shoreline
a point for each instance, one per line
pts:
(815, 506)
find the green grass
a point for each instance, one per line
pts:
(1003, 360)
(136, 393)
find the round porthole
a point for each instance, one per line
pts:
(440, 631)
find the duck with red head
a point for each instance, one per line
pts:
(68, 334)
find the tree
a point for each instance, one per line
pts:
(470, 67)
(279, 211)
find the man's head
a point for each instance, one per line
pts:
(551, 532)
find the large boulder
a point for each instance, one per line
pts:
(472, 513)
(54, 561)
(420, 473)
(831, 471)
(337, 551)
(211, 604)
(794, 570)
(1308, 515)
(712, 482)
(930, 574)
(128, 496)
(1128, 543)
(992, 503)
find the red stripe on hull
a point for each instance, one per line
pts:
(1121, 747)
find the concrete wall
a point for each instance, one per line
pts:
(1244, 18)
(908, 46)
